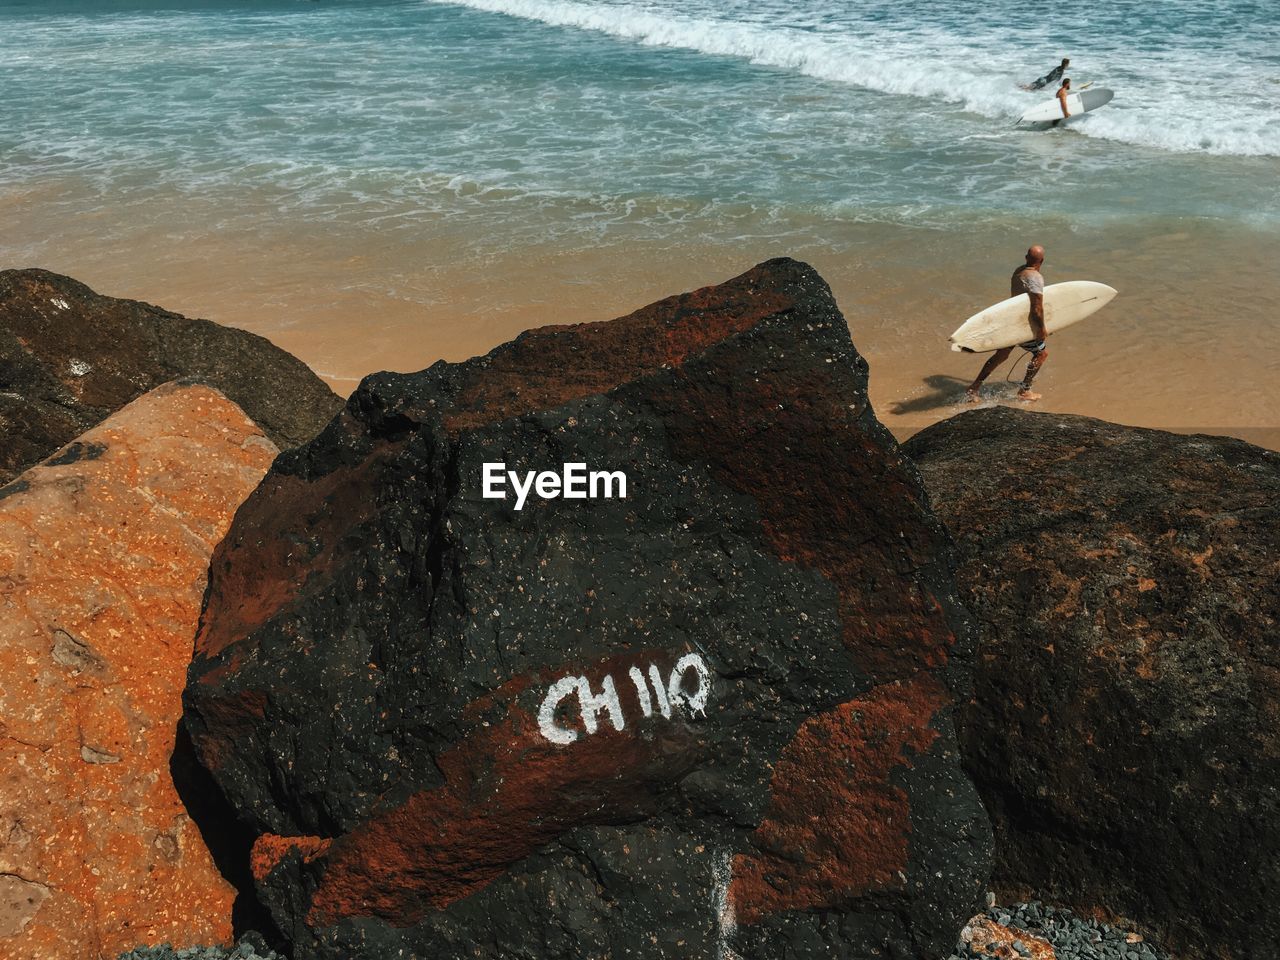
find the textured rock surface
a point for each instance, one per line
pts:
(70, 357)
(1125, 728)
(104, 550)
(395, 677)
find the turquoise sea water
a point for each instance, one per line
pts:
(598, 120)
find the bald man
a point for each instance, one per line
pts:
(1064, 91)
(1026, 279)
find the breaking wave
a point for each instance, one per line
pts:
(1229, 110)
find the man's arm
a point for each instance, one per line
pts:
(1036, 316)
(1062, 100)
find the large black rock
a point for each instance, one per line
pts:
(711, 719)
(70, 357)
(1125, 725)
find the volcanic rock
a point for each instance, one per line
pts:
(709, 719)
(70, 357)
(1125, 725)
(104, 550)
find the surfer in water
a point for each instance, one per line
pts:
(1026, 279)
(1064, 91)
(1049, 77)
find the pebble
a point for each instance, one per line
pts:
(248, 949)
(1072, 937)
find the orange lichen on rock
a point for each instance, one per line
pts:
(549, 366)
(104, 550)
(269, 849)
(837, 827)
(507, 792)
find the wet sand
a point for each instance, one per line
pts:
(1187, 346)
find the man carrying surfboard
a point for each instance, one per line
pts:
(1049, 77)
(1026, 279)
(1064, 91)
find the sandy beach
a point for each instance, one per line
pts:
(1185, 347)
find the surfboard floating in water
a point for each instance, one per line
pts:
(1081, 101)
(1007, 323)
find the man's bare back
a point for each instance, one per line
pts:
(1026, 279)
(1063, 92)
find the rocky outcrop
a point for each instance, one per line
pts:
(1125, 726)
(103, 556)
(711, 718)
(70, 357)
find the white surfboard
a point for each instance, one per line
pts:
(1007, 323)
(1078, 102)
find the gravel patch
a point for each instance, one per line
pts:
(1072, 937)
(250, 948)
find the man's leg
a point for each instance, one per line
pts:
(1033, 367)
(997, 358)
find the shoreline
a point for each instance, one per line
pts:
(1185, 347)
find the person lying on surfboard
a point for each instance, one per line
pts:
(1049, 77)
(1026, 279)
(1064, 91)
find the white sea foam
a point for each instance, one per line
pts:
(930, 62)
(762, 118)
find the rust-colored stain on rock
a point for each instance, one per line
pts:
(545, 367)
(103, 558)
(269, 849)
(857, 745)
(507, 792)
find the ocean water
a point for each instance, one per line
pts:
(376, 184)
(610, 119)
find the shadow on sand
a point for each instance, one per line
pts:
(944, 391)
